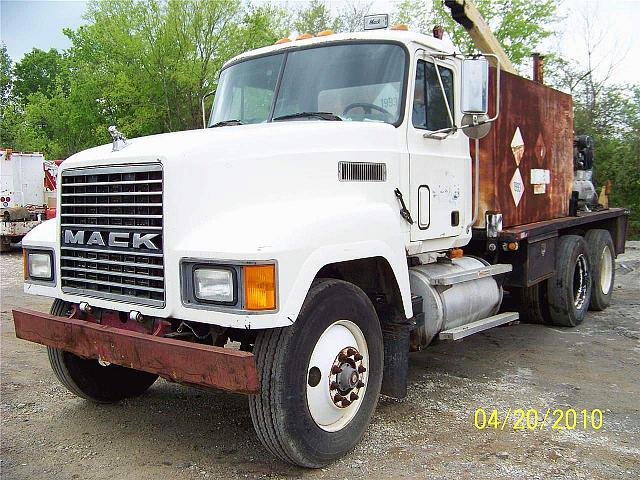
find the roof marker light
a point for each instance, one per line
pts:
(283, 40)
(304, 36)
(326, 32)
(400, 26)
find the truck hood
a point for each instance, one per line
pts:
(250, 189)
(233, 143)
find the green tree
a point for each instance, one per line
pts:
(607, 111)
(351, 15)
(140, 64)
(38, 72)
(5, 75)
(316, 17)
(519, 25)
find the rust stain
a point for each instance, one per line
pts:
(181, 361)
(544, 117)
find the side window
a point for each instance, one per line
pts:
(429, 108)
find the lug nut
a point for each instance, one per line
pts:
(361, 369)
(338, 398)
(346, 403)
(360, 384)
(357, 357)
(353, 397)
(335, 369)
(342, 357)
(333, 386)
(351, 352)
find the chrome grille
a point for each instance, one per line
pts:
(111, 233)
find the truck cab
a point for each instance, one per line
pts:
(264, 184)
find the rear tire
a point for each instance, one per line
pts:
(296, 415)
(603, 267)
(569, 290)
(90, 380)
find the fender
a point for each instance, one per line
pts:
(352, 251)
(336, 230)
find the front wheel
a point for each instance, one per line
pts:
(92, 380)
(320, 378)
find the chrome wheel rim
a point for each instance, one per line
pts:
(580, 281)
(606, 270)
(337, 375)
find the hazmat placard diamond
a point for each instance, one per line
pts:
(517, 146)
(517, 186)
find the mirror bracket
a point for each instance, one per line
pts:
(440, 134)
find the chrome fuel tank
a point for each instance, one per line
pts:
(449, 306)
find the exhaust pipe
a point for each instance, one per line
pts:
(538, 68)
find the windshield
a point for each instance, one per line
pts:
(356, 81)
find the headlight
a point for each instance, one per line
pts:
(214, 285)
(39, 265)
(209, 285)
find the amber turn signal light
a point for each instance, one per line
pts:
(24, 263)
(260, 287)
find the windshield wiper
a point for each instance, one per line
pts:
(226, 123)
(320, 115)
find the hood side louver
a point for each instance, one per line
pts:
(362, 172)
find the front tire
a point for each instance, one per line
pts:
(90, 380)
(569, 290)
(320, 378)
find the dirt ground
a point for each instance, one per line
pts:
(179, 432)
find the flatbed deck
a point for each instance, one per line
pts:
(613, 219)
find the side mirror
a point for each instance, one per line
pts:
(204, 116)
(475, 86)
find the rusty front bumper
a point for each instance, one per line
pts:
(177, 360)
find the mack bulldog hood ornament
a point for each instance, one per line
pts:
(119, 140)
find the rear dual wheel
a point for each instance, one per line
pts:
(320, 378)
(602, 256)
(569, 290)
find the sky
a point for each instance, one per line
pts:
(25, 24)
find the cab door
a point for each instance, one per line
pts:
(439, 165)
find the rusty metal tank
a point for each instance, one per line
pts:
(526, 160)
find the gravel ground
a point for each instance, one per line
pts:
(179, 432)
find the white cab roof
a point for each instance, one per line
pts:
(402, 36)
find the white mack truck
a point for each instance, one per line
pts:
(331, 218)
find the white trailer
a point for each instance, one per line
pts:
(24, 199)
